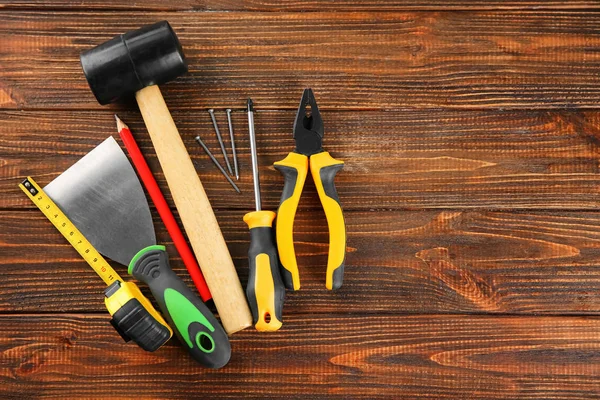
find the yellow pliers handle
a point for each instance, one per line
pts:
(294, 169)
(323, 169)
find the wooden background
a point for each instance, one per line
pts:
(471, 136)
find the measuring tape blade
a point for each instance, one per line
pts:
(69, 231)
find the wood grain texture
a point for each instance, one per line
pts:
(397, 262)
(302, 6)
(360, 60)
(334, 357)
(393, 160)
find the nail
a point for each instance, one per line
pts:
(220, 139)
(214, 160)
(235, 160)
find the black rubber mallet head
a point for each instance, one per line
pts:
(137, 62)
(127, 63)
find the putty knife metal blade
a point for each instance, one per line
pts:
(103, 197)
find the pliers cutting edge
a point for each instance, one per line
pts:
(308, 133)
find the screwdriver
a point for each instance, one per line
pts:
(265, 290)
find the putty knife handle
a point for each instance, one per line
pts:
(193, 323)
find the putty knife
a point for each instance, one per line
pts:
(103, 197)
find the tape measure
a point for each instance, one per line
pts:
(134, 317)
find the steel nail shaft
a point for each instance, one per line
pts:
(214, 160)
(235, 160)
(220, 139)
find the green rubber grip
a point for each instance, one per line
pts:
(193, 323)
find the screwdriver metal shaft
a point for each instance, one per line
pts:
(214, 160)
(220, 139)
(253, 155)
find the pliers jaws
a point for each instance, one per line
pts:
(308, 126)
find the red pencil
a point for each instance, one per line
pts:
(163, 209)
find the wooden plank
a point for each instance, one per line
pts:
(400, 159)
(305, 5)
(338, 357)
(360, 60)
(409, 262)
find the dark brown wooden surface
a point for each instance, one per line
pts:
(355, 60)
(470, 132)
(335, 356)
(303, 5)
(394, 160)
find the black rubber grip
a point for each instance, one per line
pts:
(327, 175)
(134, 322)
(290, 176)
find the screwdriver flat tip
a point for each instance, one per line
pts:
(250, 105)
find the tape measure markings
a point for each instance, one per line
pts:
(62, 223)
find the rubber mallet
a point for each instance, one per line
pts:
(136, 62)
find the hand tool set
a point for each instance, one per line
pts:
(135, 63)
(99, 206)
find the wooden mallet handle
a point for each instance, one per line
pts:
(196, 213)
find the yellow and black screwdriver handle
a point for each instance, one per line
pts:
(265, 290)
(133, 316)
(323, 168)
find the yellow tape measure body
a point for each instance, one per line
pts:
(69, 231)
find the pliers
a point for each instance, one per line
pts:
(308, 134)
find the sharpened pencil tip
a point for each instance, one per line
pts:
(120, 124)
